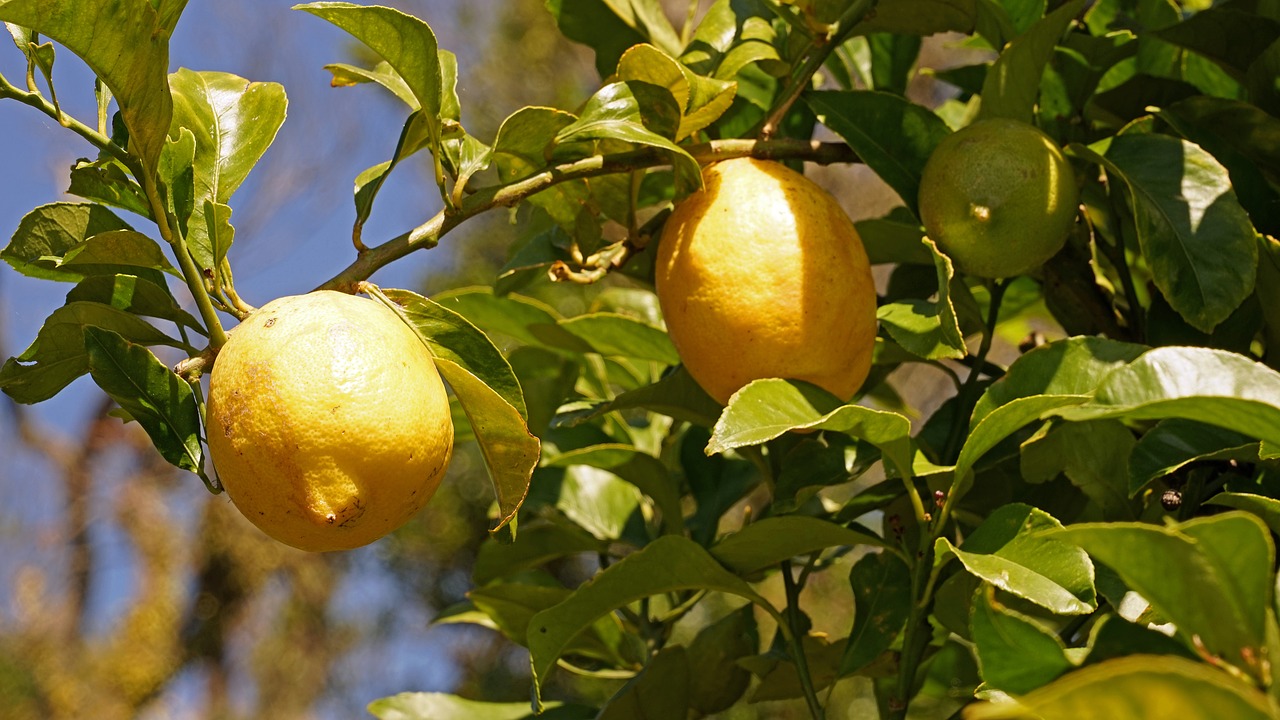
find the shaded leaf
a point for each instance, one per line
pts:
(537, 544)
(58, 354)
(638, 468)
(1110, 445)
(893, 136)
(1267, 509)
(133, 294)
(157, 399)
(667, 564)
(767, 542)
(1210, 577)
(881, 602)
(106, 182)
(622, 335)
(927, 329)
(660, 691)
(1012, 85)
(1175, 442)
(720, 681)
(49, 232)
(1193, 233)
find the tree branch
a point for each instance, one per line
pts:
(428, 234)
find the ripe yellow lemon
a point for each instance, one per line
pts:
(998, 197)
(761, 274)
(327, 421)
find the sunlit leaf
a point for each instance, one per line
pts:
(1161, 685)
(1010, 551)
(1012, 85)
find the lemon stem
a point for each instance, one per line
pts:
(796, 640)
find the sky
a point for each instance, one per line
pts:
(292, 216)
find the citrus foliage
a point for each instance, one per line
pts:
(1020, 541)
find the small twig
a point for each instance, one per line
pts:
(797, 642)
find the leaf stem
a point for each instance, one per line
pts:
(797, 642)
(965, 398)
(428, 234)
(822, 48)
(190, 273)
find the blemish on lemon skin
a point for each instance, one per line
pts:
(269, 322)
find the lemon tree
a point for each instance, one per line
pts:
(1040, 384)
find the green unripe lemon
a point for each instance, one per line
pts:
(998, 197)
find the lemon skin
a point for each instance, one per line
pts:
(998, 197)
(327, 421)
(761, 274)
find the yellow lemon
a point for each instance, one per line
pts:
(998, 197)
(761, 274)
(327, 421)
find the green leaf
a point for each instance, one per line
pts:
(442, 706)
(1211, 386)
(106, 182)
(176, 174)
(49, 232)
(1072, 367)
(1011, 551)
(1197, 240)
(126, 44)
(1246, 140)
(1210, 577)
(767, 542)
(765, 409)
(1053, 376)
(920, 17)
(622, 335)
(510, 606)
(893, 136)
(133, 294)
(524, 137)
(881, 602)
(1162, 686)
(1231, 36)
(383, 74)
(600, 502)
(405, 42)
(676, 395)
(892, 239)
(927, 329)
(667, 564)
(1110, 446)
(538, 544)
(160, 401)
(638, 468)
(1267, 509)
(1175, 442)
(660, 691)
(720, 681)
(234, 121)
(1012, 85)
(526, 320)
(1114, 637)
(611, 26)
(614, 113)
(1015, 654)
(452, 337)
(58, 354)
(113, 251)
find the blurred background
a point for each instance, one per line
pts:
(126, 590)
